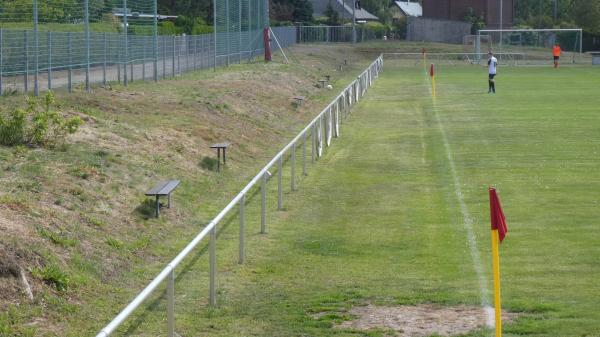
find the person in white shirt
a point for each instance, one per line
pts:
(492, 67)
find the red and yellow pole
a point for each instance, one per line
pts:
(496, 267)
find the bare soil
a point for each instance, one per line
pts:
(419, 320)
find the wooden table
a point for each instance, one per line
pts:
(219, 147)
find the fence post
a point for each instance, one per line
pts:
(304, 153)
(214, 37)
(173, 58)
(1, 61)
(144, 62)
(171, 304)
(118, 59)
(263, 204)
(242, 249)
(179, 55)
(49, 47)
(132, 59)
(70, 51)
(104, 59)
(240, 31)
(293, 163)
(195, 54)
(26, 70)
(125, 42)
(86, 5)
(227, 23)
(279, 185)
(164, 48)
(213, 266)
(186, 44)
(155, 39)
(36, 49)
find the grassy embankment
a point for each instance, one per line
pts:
(75, 216)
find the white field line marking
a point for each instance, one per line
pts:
(467, 220)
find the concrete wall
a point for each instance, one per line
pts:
(432, 30)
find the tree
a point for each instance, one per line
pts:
(333, 17)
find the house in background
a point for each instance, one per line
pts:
(344, 9)
(405, 9)
(457, 10)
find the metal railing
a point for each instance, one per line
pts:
(329, 119)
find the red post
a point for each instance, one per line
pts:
(267, 43)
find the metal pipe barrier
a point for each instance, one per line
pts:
(342, 103)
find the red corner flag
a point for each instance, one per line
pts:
(497, 216)
(432, 71)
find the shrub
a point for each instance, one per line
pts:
(38, 126)
(209, 163)
(52, 275)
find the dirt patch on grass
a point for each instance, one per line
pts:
(419, 320)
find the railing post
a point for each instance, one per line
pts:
(279, 185)
(263, 204)
(304, 154)
(242, 248)
(293, 163)
(49, 47)
(213, 266)
(314, 143)
(171, 304)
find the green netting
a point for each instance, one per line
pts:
(238, 29)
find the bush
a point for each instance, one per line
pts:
(54, 276)
(209, 163)
(38, 126)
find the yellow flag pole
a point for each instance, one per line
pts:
(496, 266)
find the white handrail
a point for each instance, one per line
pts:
(362, 81)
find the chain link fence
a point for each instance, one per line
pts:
(333, 34)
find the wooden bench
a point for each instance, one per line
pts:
(219, 147)
(322, 81)
(163, 189)
(298, 100)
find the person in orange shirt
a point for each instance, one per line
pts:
(556, 53)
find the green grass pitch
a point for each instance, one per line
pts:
(379, 218)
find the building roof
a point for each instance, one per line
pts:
(344, 7)
(410, 8)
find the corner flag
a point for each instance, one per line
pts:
(496, 215)
(499, 231)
